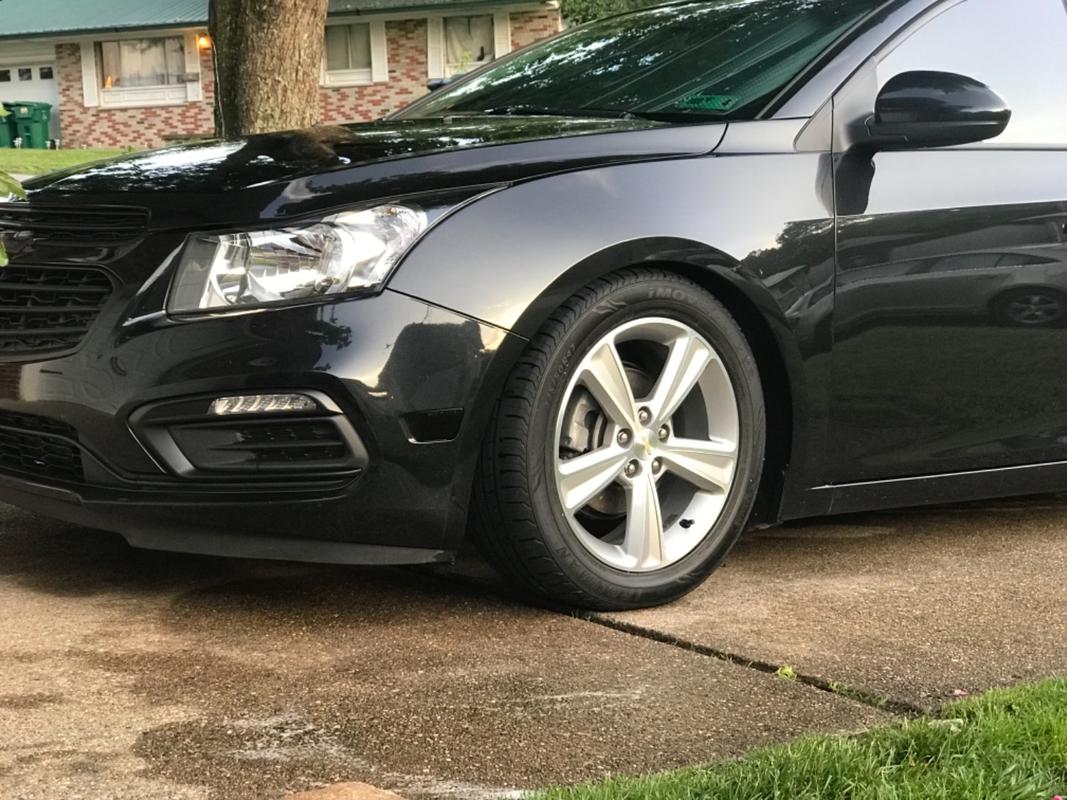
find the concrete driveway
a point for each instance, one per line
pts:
(127, 674)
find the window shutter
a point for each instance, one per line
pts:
(435, 48)
(379, 49)
(90, 81)
(502, 33)
(195, 90)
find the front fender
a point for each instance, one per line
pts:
(758, 223)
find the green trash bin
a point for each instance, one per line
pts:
(31, 123)
(7, 126)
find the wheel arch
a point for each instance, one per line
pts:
(774, 375)
(751, 305)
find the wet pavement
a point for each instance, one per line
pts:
(128, 674)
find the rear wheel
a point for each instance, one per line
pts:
(1031, 308)
(624, 455)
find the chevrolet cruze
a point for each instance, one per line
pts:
(599, 305)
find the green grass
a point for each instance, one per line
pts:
(1007, 745)
(37, 162)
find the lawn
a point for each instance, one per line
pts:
(1007, 745)
(37, 162)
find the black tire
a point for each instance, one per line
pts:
(517, 518)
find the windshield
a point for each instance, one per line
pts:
(718, 59)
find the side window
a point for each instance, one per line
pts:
(1017, 48)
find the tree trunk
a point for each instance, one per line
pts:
(268, 64)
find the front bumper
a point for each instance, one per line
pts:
(393, 366)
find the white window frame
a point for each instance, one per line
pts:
(379, 57)
(437, 69)
(96, 96)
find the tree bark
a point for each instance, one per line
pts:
(268, 64)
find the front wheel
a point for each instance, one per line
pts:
(624, 456)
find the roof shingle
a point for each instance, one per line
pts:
(28, 19)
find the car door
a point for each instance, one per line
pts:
(950, 324)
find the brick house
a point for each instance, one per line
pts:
(139, 72)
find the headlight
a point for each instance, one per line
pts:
(351, 251)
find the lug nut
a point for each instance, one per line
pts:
(644, 416)
(657, 465)
(664, 433)
(624, 437)
(632, 469)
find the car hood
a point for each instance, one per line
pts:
(296, 172)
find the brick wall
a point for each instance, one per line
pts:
(147, 127)
(528, 27)
(406, 40)
(126, 127)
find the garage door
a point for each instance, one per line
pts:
(21, 82)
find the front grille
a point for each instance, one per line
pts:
(47, 309)
(39, 447)
(73, 227)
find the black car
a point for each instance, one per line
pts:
(602, 304)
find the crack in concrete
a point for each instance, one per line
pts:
(896, 706)
(892, 705)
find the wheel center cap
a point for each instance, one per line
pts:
(645, 443)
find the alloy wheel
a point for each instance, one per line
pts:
(646, 444)
(1035, 309)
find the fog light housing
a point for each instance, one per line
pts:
(262, 404)
(215, 437)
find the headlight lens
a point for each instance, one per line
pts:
(345, 252)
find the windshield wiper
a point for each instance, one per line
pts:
(535, 111)
(654, 116)
(598, 113)
(519, 110)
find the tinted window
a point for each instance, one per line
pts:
(717, 59)
(1016, 47)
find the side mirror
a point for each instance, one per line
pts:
(935, 109)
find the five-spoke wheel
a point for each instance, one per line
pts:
(643, 477)
(625, 453)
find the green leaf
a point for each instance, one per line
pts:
(11, 187)
(580, 11)
(786, 672)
